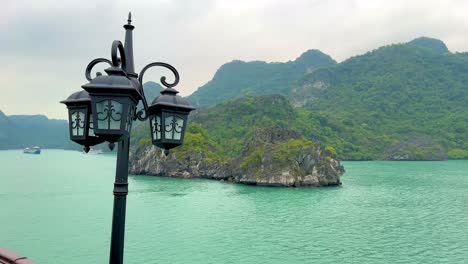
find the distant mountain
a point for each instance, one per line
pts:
(239, 78)
(20, 131)
(401, 101)
(430, 43)
(152, 90)
(392, 94)
(4, 130)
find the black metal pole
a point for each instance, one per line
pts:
(130, 67)
(121, 175)
(120, 202)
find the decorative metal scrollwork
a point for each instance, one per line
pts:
(116, 61)
(92, 64)
(156, 127)
(143, 113)
(163, 78)
(78, 123)
(109, 113)
(173, 127)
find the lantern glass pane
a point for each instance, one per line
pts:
(109, 114)
(179, 126)
(156, 127)
(173, 127)
(128, 124)
(77, 122)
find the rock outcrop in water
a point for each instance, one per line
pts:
(272, 157)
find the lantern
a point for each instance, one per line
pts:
(168, 119)
(79, 120)
(113, 101)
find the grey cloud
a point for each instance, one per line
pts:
(48, 43)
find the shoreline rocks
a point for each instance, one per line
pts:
(416, 148)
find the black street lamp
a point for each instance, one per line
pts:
(168, 119)
(105, 110)
(80, 123)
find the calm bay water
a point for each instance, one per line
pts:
(56, 208)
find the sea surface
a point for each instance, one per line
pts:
(56, 208)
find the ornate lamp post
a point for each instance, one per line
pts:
(105, 110)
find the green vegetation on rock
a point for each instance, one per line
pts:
(231, 123)
(270, 156)
(198, 140)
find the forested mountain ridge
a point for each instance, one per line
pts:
(20, 131)
(239, 78)
(392, 94)
(430, 43)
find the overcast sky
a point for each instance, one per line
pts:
(45, 45)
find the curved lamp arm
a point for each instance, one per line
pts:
(92, 64)
(163, 78)
(118, 46)
(143, 113)
(116, 61)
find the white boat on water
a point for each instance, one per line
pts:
(33, 150)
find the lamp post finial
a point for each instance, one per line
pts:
(129, 20)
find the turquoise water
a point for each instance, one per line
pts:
(56, 208)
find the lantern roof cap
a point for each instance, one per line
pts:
(169, 98)
(116, 81)
(76, 97)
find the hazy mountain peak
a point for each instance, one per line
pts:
(431, 43)
(28, 118)
(238, 78)
(315, 56)
(152, 90)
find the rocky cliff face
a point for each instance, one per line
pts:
(272, 157)
(416, 148)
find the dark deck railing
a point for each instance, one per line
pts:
(10, 257)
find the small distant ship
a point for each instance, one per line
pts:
(33, 150)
